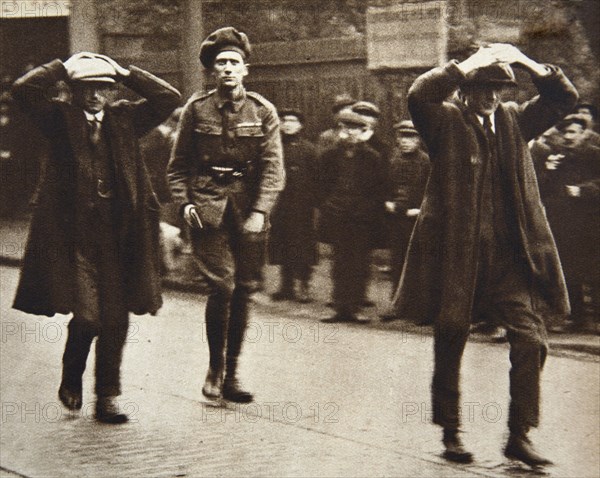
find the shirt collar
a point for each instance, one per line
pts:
(94, 117)
(492, 120)
(237, 101)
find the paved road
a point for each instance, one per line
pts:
(330, 401)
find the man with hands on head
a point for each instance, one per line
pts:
(226, 171)
(482, 244)
(93, 243)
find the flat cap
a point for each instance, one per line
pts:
(350, 117)
(366, 108)
(406, 127)
(498, 74)
(93, 69)
(223, 39)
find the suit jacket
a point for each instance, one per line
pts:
(439, 273)
(47, 283)
(255, 148)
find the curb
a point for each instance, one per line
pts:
(199, 288)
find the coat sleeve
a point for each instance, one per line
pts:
(557, 97)
(426, 99)
(178, 170)
(272, 177)
(159, 99)
(32, 92)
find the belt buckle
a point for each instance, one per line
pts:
(104, 189)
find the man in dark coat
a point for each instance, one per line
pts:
(226, 171)
(93, 242)
(292, 239)
(482, 244)
(353, 187)
(569, 178)
(409, 171)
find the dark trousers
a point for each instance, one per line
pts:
(100, 311)
(231, 262)
(504, 293)
(294, 271)
(350, 266)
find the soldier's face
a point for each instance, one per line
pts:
(408, 143)
(91, 96)
(229, 69)
(482, 99)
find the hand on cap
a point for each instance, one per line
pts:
(507, 53)
(481, 58)
(118, 68)
(71, 64)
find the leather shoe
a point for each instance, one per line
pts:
(455, 450)
(234, 393)
(107, 411)
(71, 399)
(520, 448)
(212, 385)
(340, 317)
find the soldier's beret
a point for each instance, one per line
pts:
(223, 39)
(498, 74)
(93, 69)
(291, 112)
(366, 108)
(351, 118)
(406, 127)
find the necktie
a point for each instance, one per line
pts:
(490, 136)
(94, 132)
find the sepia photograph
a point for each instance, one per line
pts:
(299, 238)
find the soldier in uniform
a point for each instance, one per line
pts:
(96, 214)
(225, 173)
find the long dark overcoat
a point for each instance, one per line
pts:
(439, 273)
(47, 282)
(293, 237)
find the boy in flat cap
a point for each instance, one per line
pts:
(93, 244)
(226, 171)
(353, 186)
(482, 245)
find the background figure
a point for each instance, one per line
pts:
(329, 138)
(569, 179)
(353, 183)
(292, 239)
(482, 244)
(225, 174)
(409, 171)
(155, 148)
(97, 211)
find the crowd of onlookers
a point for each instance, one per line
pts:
(353, 191)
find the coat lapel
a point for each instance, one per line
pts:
(125, 165)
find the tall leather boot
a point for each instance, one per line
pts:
(217, 311)
(235, 335)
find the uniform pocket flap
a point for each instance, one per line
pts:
(249, 130)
